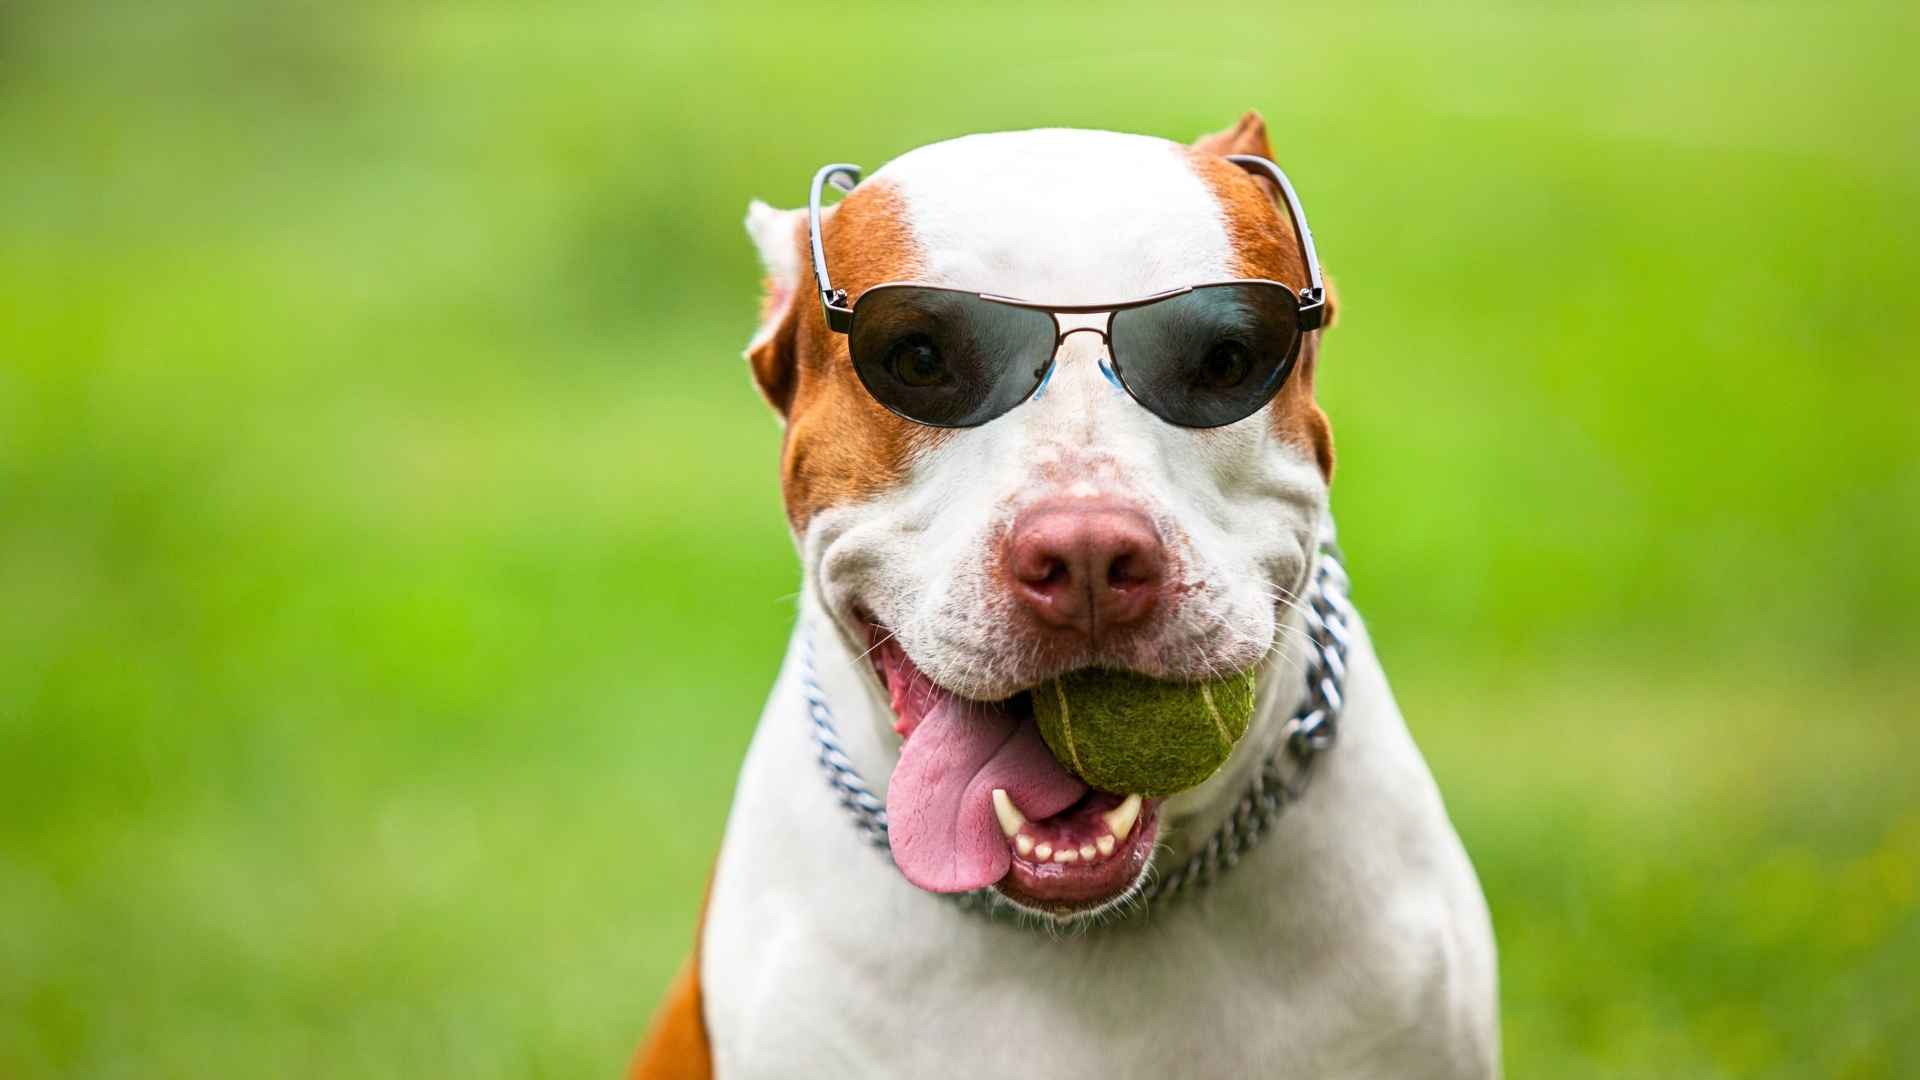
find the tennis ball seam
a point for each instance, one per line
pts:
(1219, 725)
(1066, 728)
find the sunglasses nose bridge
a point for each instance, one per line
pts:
(1099, 323)
(1099, 331)
(1068, 324)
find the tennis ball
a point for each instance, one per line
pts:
(1127, 733)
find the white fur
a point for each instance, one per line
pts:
(1354, 942)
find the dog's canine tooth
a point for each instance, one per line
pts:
(1121, 818)
(1011, 820)
(1105, 844)
(1023, 844)
(1086, 852)
(1043, 852)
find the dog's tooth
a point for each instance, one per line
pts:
(1105, 844)
(1011, 820)
(1121, 818)
(1023, 844)
(1043, 852)
(1065, 855)
(1086, 852)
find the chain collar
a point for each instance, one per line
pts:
(1310, 732)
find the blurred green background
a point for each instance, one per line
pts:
(392, 566)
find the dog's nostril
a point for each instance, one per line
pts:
(1056, 574)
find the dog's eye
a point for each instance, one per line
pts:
(916, 362)
(1225, 366)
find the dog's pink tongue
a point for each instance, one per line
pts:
(940, 818)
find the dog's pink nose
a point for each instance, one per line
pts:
(1086, 566)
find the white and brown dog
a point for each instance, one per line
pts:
(950, 568)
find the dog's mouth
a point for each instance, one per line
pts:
(978, 799)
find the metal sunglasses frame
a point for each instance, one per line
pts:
(1309, 303)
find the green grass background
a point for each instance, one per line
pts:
(391, 561)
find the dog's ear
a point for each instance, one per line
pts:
(780, 235)
(1247, 136)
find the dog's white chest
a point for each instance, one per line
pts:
(922, 1000)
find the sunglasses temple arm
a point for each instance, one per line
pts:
(1313, 301)
(832, 301)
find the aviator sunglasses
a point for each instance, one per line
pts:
(1201, 356)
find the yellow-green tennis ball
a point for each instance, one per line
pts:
(1127, 733)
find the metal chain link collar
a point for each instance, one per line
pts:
(1310, 731)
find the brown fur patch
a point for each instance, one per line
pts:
(676, 1046)
(1265, 247)
(841, 446)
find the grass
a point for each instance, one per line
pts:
(391, 562)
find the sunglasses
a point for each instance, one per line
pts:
(1201, 356)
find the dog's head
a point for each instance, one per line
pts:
(1076, 530)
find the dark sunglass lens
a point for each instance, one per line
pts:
(1208, 357)
(946, 358)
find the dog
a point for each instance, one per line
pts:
(983, 504)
